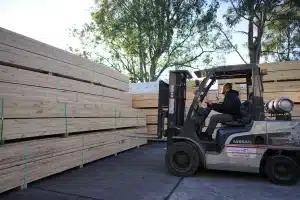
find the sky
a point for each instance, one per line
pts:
(46, 21)
(49, 21)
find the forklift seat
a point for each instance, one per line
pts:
(224, 132)
(239, 125)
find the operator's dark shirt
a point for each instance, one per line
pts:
(231, 104)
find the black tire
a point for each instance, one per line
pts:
(182, 159)
(281, 170)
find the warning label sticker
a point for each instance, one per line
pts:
(241, 152)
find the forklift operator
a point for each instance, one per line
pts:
(230, 108)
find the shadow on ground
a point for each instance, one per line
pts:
(140, 174)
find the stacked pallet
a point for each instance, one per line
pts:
(59, 111)
(149, 103)
(283, 79)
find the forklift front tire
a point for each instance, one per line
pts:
(182, 159)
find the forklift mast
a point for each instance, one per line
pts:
(171, 101)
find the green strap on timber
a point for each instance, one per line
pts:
(66, 119)
(25, 166)
(57, 88)
(2, 121)
(116, 117)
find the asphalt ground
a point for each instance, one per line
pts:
(140, 174)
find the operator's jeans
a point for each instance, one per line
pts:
(215, 119)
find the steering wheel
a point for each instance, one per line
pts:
(204, 111)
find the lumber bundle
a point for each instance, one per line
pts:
(283, 79)
(149, 103)
(59, 111)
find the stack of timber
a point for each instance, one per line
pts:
(59, 111)
(282, 79)
(149, 103)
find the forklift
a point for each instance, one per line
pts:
(251, 143)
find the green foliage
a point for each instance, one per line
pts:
(145, 37)
(262, 17)
(281, 41)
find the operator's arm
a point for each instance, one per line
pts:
(217, 107)
(224, 107)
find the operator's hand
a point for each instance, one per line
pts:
(209, 103)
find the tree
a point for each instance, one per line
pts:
(146, 37)
(259, 14)
(282, 38)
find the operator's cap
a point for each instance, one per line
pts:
(227, 85)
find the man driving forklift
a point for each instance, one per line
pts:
(229, 108)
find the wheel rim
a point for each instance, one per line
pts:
(282, 171)
(181, 161)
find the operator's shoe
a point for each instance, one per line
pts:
(205, 136)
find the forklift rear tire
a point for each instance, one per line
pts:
(281, 170)
(182, 159)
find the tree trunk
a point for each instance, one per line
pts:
(153, 69)
(251, 45)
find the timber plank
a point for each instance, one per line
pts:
(138, 132)
(286, 65)
(151, 112)
(26, 128)
(33, 108)
(130, 112)
(55, 164)
(291, 86)
(109, 92)
(10, 90)
(145, 104)
(25, 77)
(14, 154)
(23, 58)
(142, 97)
(20, 41)
(151, 100)
(288, 86)
(189, 95)
(152, 129)
(89, 98)
(294, 96)
(92, 154)
(296, 110)
(282, 75)
(15, 91)
(151, 119)
(233, 81)
(210, 95)
(273, 90)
